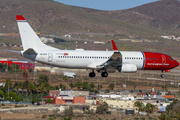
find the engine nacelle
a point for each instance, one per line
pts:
(128, 68)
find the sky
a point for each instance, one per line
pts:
(106, 4)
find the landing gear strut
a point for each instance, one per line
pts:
(162, 75)
(92, 74)
(104, 74)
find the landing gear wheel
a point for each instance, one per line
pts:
(104, 74)
(92, 74)
(162, 75)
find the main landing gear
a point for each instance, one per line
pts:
(92, 74)
(104, 74)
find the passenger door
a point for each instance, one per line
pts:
(50, 57)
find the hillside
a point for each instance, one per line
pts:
(162, 14)
(47, 16)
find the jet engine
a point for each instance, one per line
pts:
(127, 68)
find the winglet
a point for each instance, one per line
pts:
(114, 46)
(20, 18)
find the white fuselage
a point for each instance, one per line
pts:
(82, 59)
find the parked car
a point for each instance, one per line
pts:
(142, 113)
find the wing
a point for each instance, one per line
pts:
(112, 63)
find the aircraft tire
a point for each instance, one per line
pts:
(104, 74)
(92, 74)
(162, 75)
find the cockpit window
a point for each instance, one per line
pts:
(171, 58)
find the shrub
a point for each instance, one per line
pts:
(136, 118)
(67, 118)
(49, 100)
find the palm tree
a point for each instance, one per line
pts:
(85, 85)
(92, 85)
(17, 86)
(8, 83)
(149, 108)
(78, 85)
(139, 105)
(42, 88)
(26, 75)
(65, 77)
(31, 87)
(71, 85)
(22, 86)
(63, 87)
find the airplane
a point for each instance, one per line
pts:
(103, 62)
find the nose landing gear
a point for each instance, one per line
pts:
(162, 75)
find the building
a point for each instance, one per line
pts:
(66, 99)
(59, 97)
(23, 64)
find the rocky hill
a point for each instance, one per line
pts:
(47, 16)
(162, 14)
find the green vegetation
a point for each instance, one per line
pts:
(149, 108)
(103, 107)
(49, 100)
(139, 105)
(1, 94)
(58, 40)
(172, 111)
(111, 86)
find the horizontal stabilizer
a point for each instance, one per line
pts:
(11, 51)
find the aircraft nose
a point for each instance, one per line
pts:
(176, 63)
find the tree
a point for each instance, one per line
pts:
(63, 87)
(65, 78)
(43, 79)
(17, 85)
(31, 87)
(111, 86)
(22, 86)
(164, 87)
(149, 108)
(26, 75)
(172, 111)
(85, 85)
(92, 85)
(71, 85)
(78, 85)
(102, 107)
(1, 94)
(57, 88)
(107, 91)
(162, 116)
(139, 105)
(8, 84)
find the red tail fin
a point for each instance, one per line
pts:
(114, 46)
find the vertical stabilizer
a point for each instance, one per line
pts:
(29, 38)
